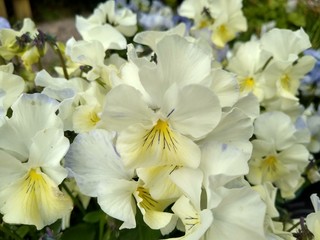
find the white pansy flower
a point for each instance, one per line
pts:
(81, 102)
(162, 132)
(238, 215)
(11, 87)
(108, 25)
(8, 38)
(285, 44)
(163, 137)
(277, 155)
(91, 54)
(248, 62)
(223, 19)
(313, 219)
(151, 38)
(282, 78)
(99, 172)
(32, 147)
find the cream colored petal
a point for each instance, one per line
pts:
(92, 159)
(115, 196)
(195, 111)
(124, 107)
(47, 150)
(160, 145)
(34, 199)
(158, 181)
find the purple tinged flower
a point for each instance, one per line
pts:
(310, 84)
(4, 23)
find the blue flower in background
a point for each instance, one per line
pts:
(4, 23)
(310, 84)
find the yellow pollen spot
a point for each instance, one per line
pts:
(35, 181)
(162, 135)
(221, 35)
(204, 23)
(247, 84)
(285, 82)
(85, 118)
(148, 203)
(94, 118)
(270, 163)
(34, 175)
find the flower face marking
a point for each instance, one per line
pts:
(162, 135)
(148, 203)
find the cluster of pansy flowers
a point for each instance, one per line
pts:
(192, 143)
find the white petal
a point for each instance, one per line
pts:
(107, 35)
(225, 86)
(276, 127)
(223, 161)
(160, 145)
(178, 61)
(34, 199)
(249, 105)
(196, 111)
(124, 107)
(34, 112)
(115, 197)
(153, 210)
(285, 44)
(196, 223)
(88, 53)
(315, 202)
(158, 181)
(12, 142)
(151, 38)
(47, 150)
(92, 159)
(234, 128)
(10, 169)
(31, 113)
(190, 181)
(13, 86)
(240, 215)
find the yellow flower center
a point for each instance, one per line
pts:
(85, 118)
(247, 84)
(147, 203)
(35, 181)
(94, 118)
(285, 82)
(162, 135)
(271, 170)
(270, 163)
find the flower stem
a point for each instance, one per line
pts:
(74, 199)
(56, 48)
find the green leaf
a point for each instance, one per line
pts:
(23, 231)
(80, 232)
(141, 232)
(297, 19)
(94, 217)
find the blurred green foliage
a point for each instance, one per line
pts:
(306, 15)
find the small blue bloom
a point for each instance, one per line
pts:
(310, 84)
(4, 23)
